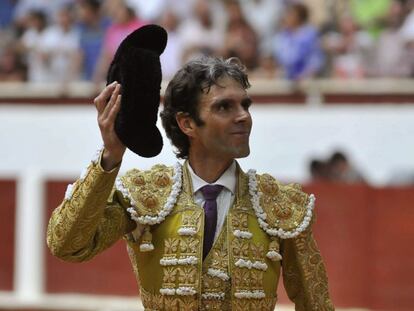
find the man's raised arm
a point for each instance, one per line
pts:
(93, 216)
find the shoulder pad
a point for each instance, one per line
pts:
(288, 209)
(148, 190)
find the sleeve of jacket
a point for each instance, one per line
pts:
(91, 218)
(304, 274)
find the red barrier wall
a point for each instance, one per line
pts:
(7, 221)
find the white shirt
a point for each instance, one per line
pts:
(225, 198)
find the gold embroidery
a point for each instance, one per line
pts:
(188, 304)
(239, 222)
(171, 245)
(190, 219)
(268, 186)
(87, 224)
(189, 246)
(151, 301)
(304, 274)
(256, 277)
(171, 303)
(139, 179)
(240, 248)
(220, 258)
(148, 200)
(240, 305)
(149, 189)
(213, 305)
(187, 276)
(257, 251)
(285, 206)
(211, 282)
(161, 178)
(169, 276)
(241, 278)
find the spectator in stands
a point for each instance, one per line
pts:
(266, 68)
(240, 38)
(32, 44)
(318, 170)
(370, 14)
(348, 50)
(407, 33)
(183, 9)
(7, 8)
(60, 47)
(340, 169)
(297, 47)
(264, 16)
(124, 21)
(150, 11)
(49, 7)
(171, 59)
(12, 67)
(91, 28)
(202, 34)
(391, 55)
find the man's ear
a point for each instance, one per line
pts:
(185, 123)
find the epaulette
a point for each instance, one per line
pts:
(282, 210)
(149, 192)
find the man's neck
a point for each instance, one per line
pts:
(207, 168)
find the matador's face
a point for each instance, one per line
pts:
(224, 109)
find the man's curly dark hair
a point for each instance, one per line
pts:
(184, 90)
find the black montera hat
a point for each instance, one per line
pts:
(136, 66)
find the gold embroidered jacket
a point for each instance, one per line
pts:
(242, 270)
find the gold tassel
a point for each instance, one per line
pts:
(274, 251)
(146, 241)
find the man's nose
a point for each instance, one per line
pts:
(242, 115)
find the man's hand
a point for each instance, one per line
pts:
(107, 111)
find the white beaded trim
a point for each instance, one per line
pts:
(259, 265)
(187, 231)
(97, 155)
(261, 215)
(146, 247)
(243, 234)
(172, 261)
(166, 210)
(215, 296)
(182, 291)
(167, 291)
(69, 192)
(186, 291)
(274, 256)
(218, 273)
(84, 173)
(246, 294)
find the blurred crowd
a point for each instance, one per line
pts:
(72, 40)
(337, 168)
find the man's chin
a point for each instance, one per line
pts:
(242, 153)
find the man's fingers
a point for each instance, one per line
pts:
(112, 101)
(101, 100)
(114, 111)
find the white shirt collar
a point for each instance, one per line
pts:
(227, 179)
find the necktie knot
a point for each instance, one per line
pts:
(211, 192)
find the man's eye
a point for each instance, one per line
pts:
(223, 107)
